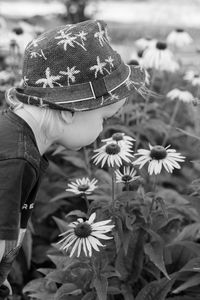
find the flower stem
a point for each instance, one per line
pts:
(86, 202)
(171, 122)
(87, 160)
(139, 122)
(196, 112)
(154, 198)
(127, 186)
(113, 185)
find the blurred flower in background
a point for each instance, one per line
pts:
(193, 77)
(179, 38)
(159, 57)
(121, 139)
(137, 62)
(143, 43)
(182, 95)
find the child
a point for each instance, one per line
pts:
(72, 81)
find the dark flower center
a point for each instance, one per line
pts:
(13, 43)
(126, 178)
(148, 38)
(182, 89)
(133, 62)
(158, 152)
(140, 53)
(179, 30)
(161, 45)
(196, 75)
(83, 230)
(112, 149)
(117, 136)
(18, 30)
(83, 187)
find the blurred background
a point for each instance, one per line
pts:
(23, 20)
(127, 20)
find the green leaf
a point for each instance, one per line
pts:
(130, 265)
(192, 281)
(126, 240)
(192, 246)
(27, 247)
(171, 196)
(113, 290)
(130, 220)
(183, 298)
(177, 255)
(56, 169)
(127, 292)
(192, 265)
(40, 289)
(61, 196)
(77, 213)
(188, 134)
(62, 225)
(89, 296)
(76, 161)
(67, 289)
(156, 290)
(100, 283)
(58, 276)
(61, 261)
(189, 233)
(154, 250)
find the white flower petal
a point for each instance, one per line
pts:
(91, 218)
(74, 247)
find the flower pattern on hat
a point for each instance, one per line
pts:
(35, 54)
(70, 74)
(49, 80)
(25, 81)
(101, 66)
(36, 43)
(101, 35)
(77, 57)
(66, 38)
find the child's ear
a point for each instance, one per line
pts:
(67, 116)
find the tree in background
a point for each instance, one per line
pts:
(76, 10)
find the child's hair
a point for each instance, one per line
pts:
(49, 118)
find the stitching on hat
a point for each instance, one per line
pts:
(72, 101)
(93, 93)
(122, 81)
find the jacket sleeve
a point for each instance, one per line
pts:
(16, 181)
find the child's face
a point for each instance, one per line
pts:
(86, 126)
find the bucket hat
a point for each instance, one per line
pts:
(73, 67)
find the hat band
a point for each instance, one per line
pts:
(79, 92)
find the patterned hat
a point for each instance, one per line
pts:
(73, 67)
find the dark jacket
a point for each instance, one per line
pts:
(21, 169)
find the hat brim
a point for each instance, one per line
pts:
(135, 81)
